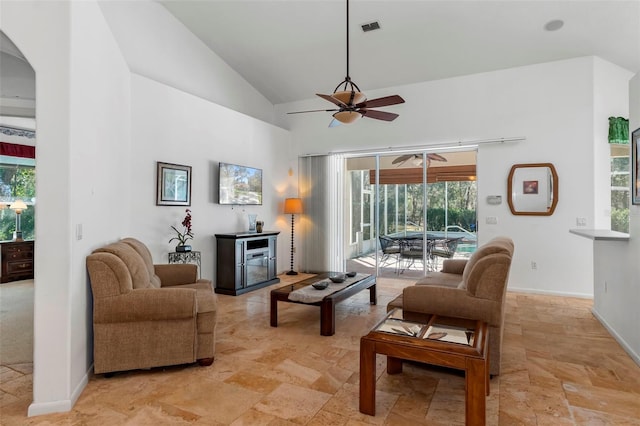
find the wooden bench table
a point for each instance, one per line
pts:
(328, 303)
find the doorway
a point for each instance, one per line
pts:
(407, 212)
(17, 182)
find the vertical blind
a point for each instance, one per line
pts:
(321, 233)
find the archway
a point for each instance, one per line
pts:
(17, 161)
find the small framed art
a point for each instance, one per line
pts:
(173, 185)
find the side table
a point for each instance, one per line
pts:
(401, 339)
(186, 257)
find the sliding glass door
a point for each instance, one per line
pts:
(408, 211)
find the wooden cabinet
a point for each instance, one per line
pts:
(17, 260)
(245, 261)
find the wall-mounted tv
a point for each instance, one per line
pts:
(239, 185)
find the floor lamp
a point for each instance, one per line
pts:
(18, 206)
(292, 206)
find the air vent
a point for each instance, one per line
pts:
(370, 26)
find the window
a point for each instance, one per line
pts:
(17, 181)
(620, 193)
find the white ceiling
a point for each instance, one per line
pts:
(290, 50)
(17, 86)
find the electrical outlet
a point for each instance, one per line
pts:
(581, 221)
(534, 265)
(491, 220)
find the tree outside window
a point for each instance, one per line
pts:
(17, 181)
(620, 185)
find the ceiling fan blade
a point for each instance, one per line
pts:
(332, 100)
(436, 157)
(314, 110)
(380, 102)
(402, 159)
(378, 115)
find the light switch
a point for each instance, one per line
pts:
(491, 220)
(494, 200)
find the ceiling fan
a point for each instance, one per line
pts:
(352, 103)
(417, 159)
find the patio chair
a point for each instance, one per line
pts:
(411, 251)
(445, 249)
(390, 248)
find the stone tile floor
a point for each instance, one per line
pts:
(560, 367)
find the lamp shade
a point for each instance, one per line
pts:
(345, 97)
(347, 117)
(18, 206)
(293, 206)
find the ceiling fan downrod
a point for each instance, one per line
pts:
(349, 85)
(347, 78)
(351, 103)
(350, 93)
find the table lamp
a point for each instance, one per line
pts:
(292, 206)
(18, 206)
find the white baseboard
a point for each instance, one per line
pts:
(634, 356)
(40, 408)
(62, 406)
(550, 293)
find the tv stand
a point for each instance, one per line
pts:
(246, 261)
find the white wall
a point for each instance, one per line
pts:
(617, 292)
(99, 152)
(173, 126)
(631, 294)
(616, 282)
(550, 104)
(78, 141)
(157, 45)
(616, 264)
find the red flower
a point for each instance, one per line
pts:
(186, 235)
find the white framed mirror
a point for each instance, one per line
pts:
(533, 189)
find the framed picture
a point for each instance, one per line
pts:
(532, 189)
(173, 185)
(529, 186)
(635, 167)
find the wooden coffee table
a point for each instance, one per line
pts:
(410, 343)
(328, 303)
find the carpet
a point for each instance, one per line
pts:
(16, 322)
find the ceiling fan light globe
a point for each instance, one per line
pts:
(347, 117)
(344, 96)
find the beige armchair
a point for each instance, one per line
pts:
(147, 315)
(471, 288)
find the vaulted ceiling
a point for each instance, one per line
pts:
(17, 82)
(290, 50)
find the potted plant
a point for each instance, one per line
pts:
(185, 235)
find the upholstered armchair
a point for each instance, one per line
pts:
(473, 288)
(147, 315)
